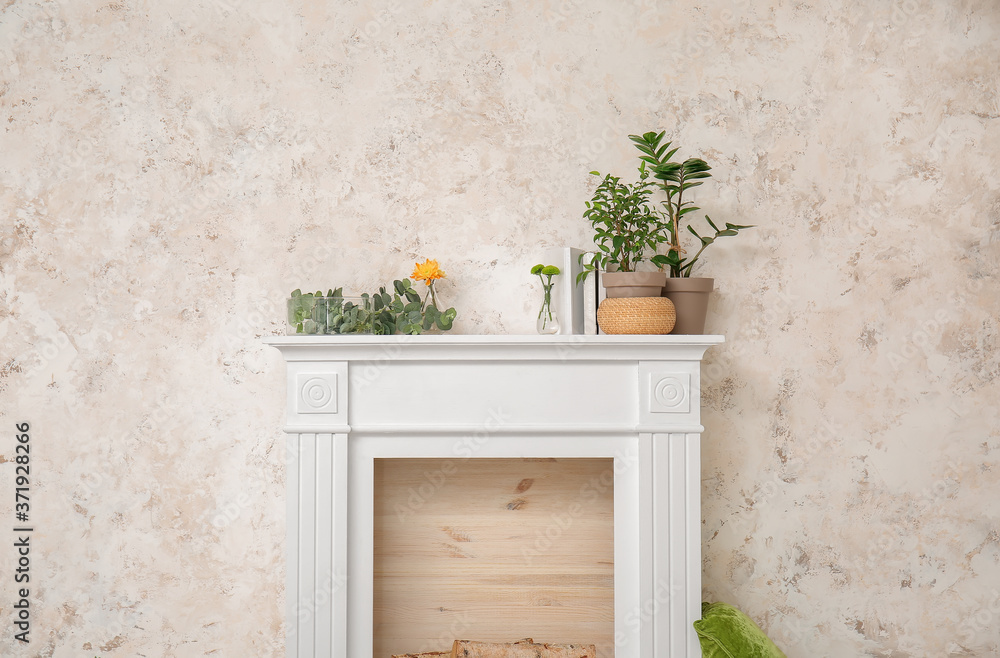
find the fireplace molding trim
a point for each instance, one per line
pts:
(366, 392)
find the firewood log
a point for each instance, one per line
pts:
(568, 650)
(437, 654)
(470, 649)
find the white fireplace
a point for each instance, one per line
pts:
(454, 448)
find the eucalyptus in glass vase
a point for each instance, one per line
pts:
(548, 321)
(399, 309)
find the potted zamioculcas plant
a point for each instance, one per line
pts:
(689, 294)
(627, 232)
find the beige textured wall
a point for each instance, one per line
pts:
(170, 170)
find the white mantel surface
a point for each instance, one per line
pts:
(354, 399)
(493, 347)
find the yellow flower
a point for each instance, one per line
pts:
(428, 271)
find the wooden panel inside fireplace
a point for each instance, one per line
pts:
(493, 549)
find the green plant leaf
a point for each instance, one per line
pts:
(445, 320)
(705, 241)
(430, 316)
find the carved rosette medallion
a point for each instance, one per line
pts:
(671, 394)
(317, 393)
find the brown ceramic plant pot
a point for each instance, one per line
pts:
(633, 284)
(690, 298)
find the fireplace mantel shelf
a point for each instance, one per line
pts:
(355, 400)
(453, 347)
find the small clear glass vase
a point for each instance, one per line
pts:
(548, 321)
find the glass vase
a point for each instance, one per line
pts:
(321, 315)
(548, 321)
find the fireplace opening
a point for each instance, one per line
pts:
(494, 550)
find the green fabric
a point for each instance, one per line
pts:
(725, 632)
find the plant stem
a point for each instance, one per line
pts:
(619, 230)
(675, 271)
(548, 296)
(434, 301)
(547, 300)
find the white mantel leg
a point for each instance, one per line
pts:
(316, 534)
(676, 544)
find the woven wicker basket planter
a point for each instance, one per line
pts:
(636, 315)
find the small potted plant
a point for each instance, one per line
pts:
(627, 232)
(689, 294)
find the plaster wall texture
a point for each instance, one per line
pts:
(171, 170)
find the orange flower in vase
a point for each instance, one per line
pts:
(429, 271)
